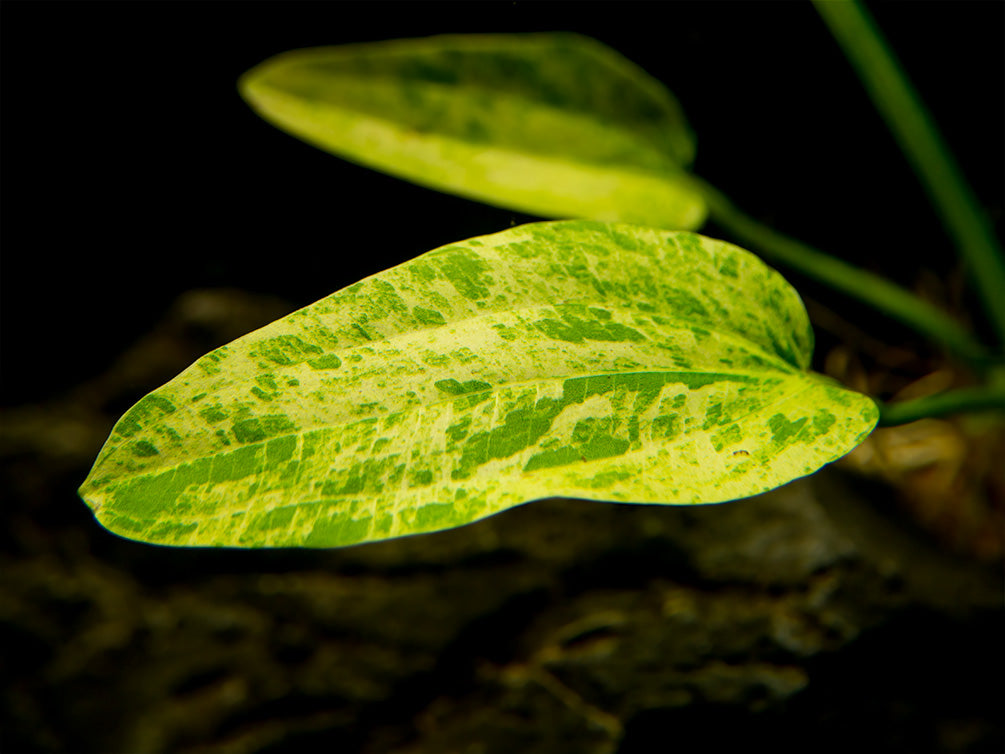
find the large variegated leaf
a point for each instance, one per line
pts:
(573, 358)
(556, 125)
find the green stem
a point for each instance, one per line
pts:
(881, 294)
(907, 118)
(991, 398)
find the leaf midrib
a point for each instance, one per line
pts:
(202, 516)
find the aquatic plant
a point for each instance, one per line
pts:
(614, 356)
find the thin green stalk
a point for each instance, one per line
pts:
(881, 294)
(990, 398)
(907, 118)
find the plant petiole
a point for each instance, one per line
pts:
(919, 139)
(878, 292)
(962, 400)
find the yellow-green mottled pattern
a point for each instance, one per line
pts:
(557, 125)
(572, 358)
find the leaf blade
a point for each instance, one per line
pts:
(556, 125)
(556, 359)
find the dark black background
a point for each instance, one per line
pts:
(132, 171)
